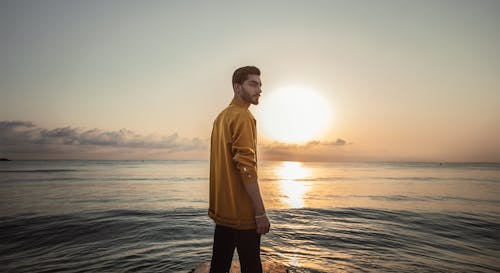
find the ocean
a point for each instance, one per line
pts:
(151, 216)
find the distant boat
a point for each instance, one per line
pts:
(5, 159)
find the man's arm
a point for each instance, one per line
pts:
(254, 193)
(244, 155)
(261, 219)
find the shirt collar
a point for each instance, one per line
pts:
(239, 103)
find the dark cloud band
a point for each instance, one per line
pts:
(25, 137)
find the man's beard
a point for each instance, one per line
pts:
(249, 98)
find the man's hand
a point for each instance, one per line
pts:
(263, 225)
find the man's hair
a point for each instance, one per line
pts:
(241, 74)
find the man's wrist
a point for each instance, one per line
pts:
(260, 216)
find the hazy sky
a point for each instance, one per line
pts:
(406, 80)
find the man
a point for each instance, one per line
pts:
(236, 205)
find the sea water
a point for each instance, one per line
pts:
(151, 216)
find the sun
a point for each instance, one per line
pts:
(294, 115)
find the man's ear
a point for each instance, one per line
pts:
(237, 88)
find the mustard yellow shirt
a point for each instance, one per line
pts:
(233, 161)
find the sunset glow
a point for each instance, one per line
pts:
(341, 80)
(291, 188)
(295, 115)
(217, 136)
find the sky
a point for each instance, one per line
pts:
(404, 80)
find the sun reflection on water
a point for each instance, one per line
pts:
(291, 188)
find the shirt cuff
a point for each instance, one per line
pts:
(248, 174)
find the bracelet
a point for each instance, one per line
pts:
(260, 216)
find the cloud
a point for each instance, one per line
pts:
(24, 138)
(310, 151)
(307, 145)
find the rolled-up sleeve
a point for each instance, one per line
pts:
(243, 147)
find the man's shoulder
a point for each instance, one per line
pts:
(236, 113)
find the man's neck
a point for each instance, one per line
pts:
(240, 102)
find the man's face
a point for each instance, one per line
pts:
(250, 90)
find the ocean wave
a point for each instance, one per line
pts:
(40, 171)
(374, 178)
(100, 179)
(306, 240)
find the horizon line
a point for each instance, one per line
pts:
(303, 161)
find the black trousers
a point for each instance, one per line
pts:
(246, 242)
